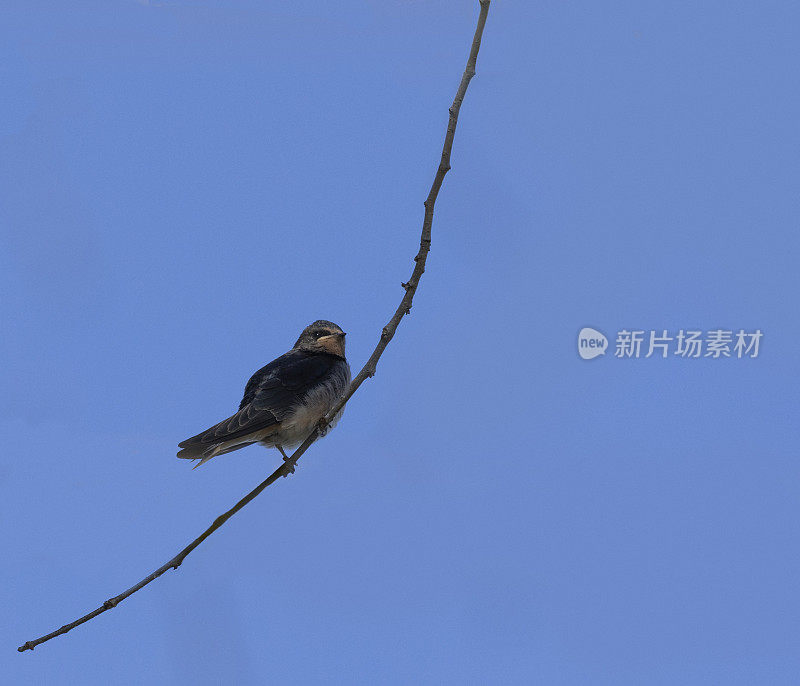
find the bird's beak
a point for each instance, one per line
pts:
(341, 335)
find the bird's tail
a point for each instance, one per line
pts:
(200, 453)
(203, 453)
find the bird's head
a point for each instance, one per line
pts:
(322, 337)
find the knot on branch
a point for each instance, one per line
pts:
(385, 333)
(405, 284)
(110, 603)
(177, 564)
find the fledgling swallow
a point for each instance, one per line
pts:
(283, 401)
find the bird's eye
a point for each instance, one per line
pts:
(319, 334)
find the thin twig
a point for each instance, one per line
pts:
(367, 371)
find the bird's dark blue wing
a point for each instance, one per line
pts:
(271, 393)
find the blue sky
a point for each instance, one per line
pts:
(188, 184)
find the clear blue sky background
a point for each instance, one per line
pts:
(185, 185)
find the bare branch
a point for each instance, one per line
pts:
(367, 371)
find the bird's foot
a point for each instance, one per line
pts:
(290, 465)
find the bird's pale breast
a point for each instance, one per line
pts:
(301, 420)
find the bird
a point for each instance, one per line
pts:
(284, 401)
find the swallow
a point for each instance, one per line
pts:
(283, 401)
